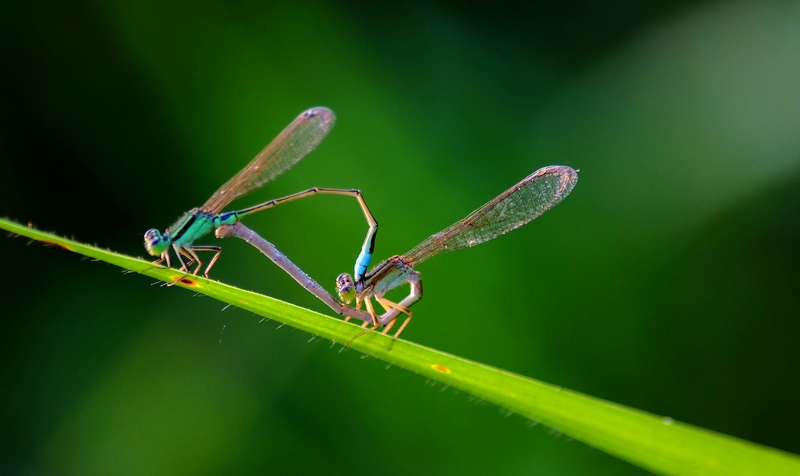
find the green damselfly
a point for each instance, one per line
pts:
(296, 141)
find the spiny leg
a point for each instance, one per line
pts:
(217, 251)
(358, 307)
(375, 321)
(164, 257)
(190, 253)
(366, 331)
(388, 305)
(191, 261)
(365, 323)
(372, 314)
(186, 254)
(184, 267)
(196, 258)
(391, 323)
(181, 252)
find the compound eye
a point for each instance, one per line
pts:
(154, 242)
(344, 283)
(152, 235)
(345, 287)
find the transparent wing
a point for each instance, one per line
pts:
(295, 142)
(520, 204)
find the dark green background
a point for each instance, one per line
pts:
(668, 281)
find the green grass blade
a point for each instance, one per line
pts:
(655, 443)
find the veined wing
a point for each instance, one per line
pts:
(296, 141)
(520, 204)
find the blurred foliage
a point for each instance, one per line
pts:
(672, 266)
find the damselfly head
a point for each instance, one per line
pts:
(154, 242)
(345, 288)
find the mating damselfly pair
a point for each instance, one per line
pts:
(525, 201)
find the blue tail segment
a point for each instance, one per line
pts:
(362, 262)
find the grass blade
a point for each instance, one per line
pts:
(655, 443)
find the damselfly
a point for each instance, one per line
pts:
(296, 141)
(513, 208)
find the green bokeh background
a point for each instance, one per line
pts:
(667, 281)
